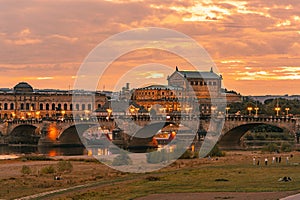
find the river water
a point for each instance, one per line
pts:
(53, 151)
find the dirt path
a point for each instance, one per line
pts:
(219, 195)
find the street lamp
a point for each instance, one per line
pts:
(287, 111)
(277, 109)
(249, 109)
(256, 111)
(227, 110)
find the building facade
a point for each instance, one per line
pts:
(24, 102)
(185, 90)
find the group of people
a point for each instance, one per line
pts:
(275, 160)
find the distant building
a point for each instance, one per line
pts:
(24, 102)
(191, 87)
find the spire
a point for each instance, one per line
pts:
(211, 70)
(176, 68)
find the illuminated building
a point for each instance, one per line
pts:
(23, 102)
(185, 90)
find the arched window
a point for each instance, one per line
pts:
(53, 106)
(5, 106)
(27, 106)
(12, 106)
(47, 106)
(65, 106)
(22, 106)
(41, 106)
(71, 106)
(59, 106)
(32, 106)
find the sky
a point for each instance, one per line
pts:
(255, 44)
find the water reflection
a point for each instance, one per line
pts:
(62, 151)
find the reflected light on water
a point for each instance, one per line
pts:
(52, 153)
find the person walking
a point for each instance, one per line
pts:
(273, 160)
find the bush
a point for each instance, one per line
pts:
(216, 152)
(188, 154)
(25, 169)
(286, 147)
(122, 159)
(64, 166)
(48, 170)
(271, 147)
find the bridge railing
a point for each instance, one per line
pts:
(260, 118)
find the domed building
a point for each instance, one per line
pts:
(23, 87)
(24, 102)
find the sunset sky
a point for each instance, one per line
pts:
(254, 44)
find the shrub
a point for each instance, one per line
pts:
(271, 147)
(216, 152)
(48, 170)
(64, 166)
(286, 147)
(122, 159)
(188, 154)
(25, 169)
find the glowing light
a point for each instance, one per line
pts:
(52, 133)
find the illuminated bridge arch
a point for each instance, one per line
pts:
(232, 138)
(72, 135)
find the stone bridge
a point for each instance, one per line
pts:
(57, 133)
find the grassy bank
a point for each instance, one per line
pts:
(234, 172)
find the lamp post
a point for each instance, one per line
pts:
(256, 111)
(277, 109)
(287, 111)
(249, 109)
(109, 111)
(227, 110)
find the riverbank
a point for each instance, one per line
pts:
(202, 177)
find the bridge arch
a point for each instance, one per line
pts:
(24, 134)
(73, 134)
(232, 138)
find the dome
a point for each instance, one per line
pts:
(23, 87)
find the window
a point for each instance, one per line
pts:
(12, 106)
(99, 105)
(65, 106)
(41, 106)
(22, 106)
(59, 106)
(5, 106)
(27, 106)
(77, 106)
(32, 107)
(53, 106)
(83, 107)
(71, 106)
(47, 106)
(214, 83)
(89, 106)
